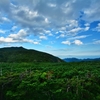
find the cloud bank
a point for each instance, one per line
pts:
(43, 17)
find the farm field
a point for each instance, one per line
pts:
(50, 81)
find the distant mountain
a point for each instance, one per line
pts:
(71, 60)
(20, 54)
(78, 60)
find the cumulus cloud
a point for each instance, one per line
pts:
(66, 42)
(20, 37)
(71, 31)
(76, 42)
(43, 37)
(52, 9)
(39, 17)
(21, 34)
(6, 40)
(49, 13)
(11, 40)
(75, 30)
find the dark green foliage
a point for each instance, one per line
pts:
(20, 54)
(46, 81)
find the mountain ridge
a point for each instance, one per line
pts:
(20, 54)
(79, 60)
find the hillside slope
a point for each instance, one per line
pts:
(20, 54)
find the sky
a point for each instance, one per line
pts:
(63, 28)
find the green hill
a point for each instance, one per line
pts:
(20, 54)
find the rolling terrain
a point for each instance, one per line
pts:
(33, 75)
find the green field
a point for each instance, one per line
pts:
(50, 81)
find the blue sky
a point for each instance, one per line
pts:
(64, 28)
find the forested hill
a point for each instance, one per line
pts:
(20, 54)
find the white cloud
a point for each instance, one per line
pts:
(75, 30)
(41, 16)
(30, 41)
(2, 31)
(6, 40)
(56, 32)
(92, 13)
(86, 28)
(11, 40)
(78, 37)
(51, 5)
(46, 13)
(35, 42)
(48, 32)
(87, 24)
(73, 23)
(97, 28)
(57, 12)
(46, 20)
(43, 37)
(78, 42)
(63, 28)
(14, 28)
(20, 37)
(66, 42)
(21, 34)
(61, 36)
(3, 19)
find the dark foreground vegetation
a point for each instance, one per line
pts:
(50, 81)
